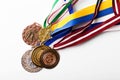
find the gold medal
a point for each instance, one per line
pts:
(44, 34)
(45, 57)
(36, 53)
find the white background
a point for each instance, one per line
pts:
(97, 59)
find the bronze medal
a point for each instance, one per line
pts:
(49, 58)
(30, 34)
(28, 64)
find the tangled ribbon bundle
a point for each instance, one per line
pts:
(67, 31)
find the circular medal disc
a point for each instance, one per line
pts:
(49, 58)
(28, 64)
(30, 34)
(36, 53)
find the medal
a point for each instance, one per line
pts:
(44, 34)
(36, 53)
(28, 64)
(49, 58)
(30, 34)
(44, 56)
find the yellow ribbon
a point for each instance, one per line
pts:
(86, 11)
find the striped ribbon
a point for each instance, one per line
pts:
(76, 37)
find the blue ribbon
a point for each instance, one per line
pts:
(57, 36)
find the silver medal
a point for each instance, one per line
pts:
(28, 64)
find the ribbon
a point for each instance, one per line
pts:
(61, 33)
(116, 6)
(70, 9)
(76, 37)
(80, 38)
(74, 18)
(59, 14)
(54, 4)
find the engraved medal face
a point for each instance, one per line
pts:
(30, 34)
(35, 57)
(50, 58)
(36, 53)
(28, 64)
(44, 34)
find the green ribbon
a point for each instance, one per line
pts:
(59, 14)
